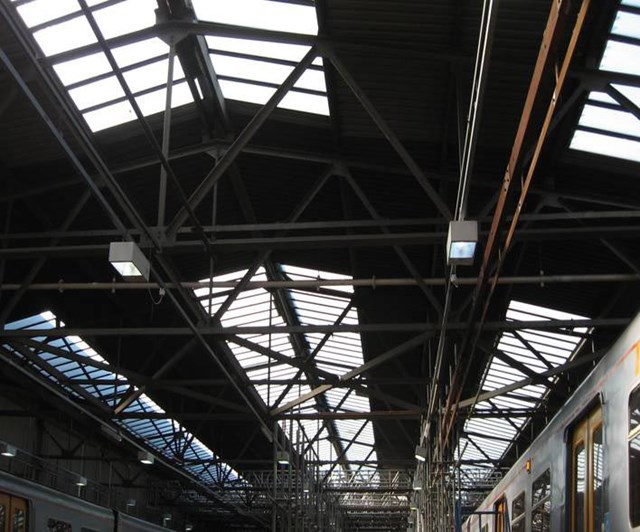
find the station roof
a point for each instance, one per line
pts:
(294, 202)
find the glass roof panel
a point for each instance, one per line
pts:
(125, 17)
(65, 36)
(610, 120)
(39, 11)
(551, 350)
(166, 436)
(261, 14)
(608, 131)
(339, 353)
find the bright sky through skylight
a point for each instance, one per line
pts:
(340, 352)
(611, 129)
(85, 363)
(538, 350)
(249, 70)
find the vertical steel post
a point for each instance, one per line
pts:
(166, 135)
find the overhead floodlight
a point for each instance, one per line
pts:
(131, 503)
(282, 457)
(166, 518)
(188, 527)
(145, 457)
(8, 450)
(129, 261)
(461, 242)
(417, 485)
(421, 453)
(81, 481)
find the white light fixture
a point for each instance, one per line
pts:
(166, 518)
(81, 481)
(417, 485)
(188, 527)
(421, 453)
(131, 503)
(8, 450)
(461, 242)
(129, 261)
(282, 457)
(145, 457)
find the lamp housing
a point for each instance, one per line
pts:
(8, 450)
(282, 457)
(421, 453)
(81, 481)
(462, 240)
(417, 485)
(145, 457)
(129, 261)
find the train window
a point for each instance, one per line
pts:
(55, 525)
(634, 457)
(19, 521)
(541, 503)
(517, 514)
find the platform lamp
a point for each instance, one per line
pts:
(129, 261)
(462, 240)
(145, 457)
(8, 450)
(421, 453)
(81, 481)
(282, 457)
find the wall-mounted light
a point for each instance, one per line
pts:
(461, 242)
(166, 518)
(81, 481)
(8, 450)
(129, 261)
(131, 503)
(282, 457)
(145, 457)
(188, 527)
(417, 485)
(421, 453)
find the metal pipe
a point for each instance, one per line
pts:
(372, 282)
(232, 332)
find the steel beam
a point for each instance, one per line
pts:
(241, 141)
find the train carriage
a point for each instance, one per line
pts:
(582, 474)
(29, 507)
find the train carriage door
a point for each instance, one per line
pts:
(5, 510)
(501, 514)
(18, 516)
(13, 513)
(587, 474)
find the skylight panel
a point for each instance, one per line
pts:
(271, 50)
(157, 433)
(627, 25)
(65, 36)
(603, 144)
(125, 17)
(260, 14)
(613, 131)
(339, 353)
(40, 11)
(246, 65)
(609, 120)
(554, 347)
